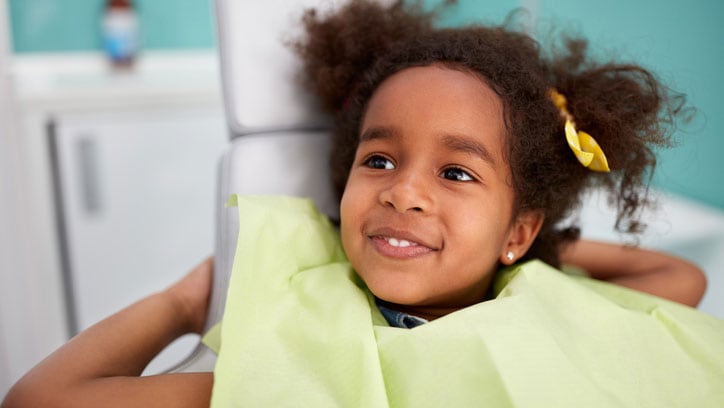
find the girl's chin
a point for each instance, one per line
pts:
(405, 298)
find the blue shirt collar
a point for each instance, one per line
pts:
(399, 319)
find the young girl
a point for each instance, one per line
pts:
(457, 152)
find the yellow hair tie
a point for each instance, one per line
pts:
(584, 146)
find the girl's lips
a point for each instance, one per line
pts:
(399, 244)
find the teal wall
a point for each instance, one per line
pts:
(74, 25)
(680, 41)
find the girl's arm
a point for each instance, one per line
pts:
(101, 366)
(648, 271)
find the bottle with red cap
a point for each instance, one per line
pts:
(120, 32)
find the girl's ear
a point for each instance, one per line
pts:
(521, 236)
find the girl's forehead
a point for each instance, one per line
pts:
(438, 99)
(440, 87)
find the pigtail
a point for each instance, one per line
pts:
(629, 113)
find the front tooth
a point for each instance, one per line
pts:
(404, 243)
(393, 242)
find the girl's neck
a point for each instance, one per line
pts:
(428, 313)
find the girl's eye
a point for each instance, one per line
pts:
(379, 162)
(456, 174)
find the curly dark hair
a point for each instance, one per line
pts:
(347, 54)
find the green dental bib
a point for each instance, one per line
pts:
(300, 329)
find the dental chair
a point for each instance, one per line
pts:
(280, 143)
(279, 139)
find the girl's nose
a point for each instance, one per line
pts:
(408, 192)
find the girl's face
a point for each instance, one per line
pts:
(427, 210)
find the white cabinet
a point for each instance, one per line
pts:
(136, 195)
(127, 206)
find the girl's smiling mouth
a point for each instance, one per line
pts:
(399, 244)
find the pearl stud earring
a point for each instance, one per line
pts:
(509, 256)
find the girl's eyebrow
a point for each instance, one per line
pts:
(467, 145)
(374, 133)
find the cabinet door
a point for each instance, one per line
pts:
(136, 196)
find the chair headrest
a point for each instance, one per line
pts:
(260, 71)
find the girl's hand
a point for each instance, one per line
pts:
(192, 294)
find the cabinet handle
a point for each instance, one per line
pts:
(89, 177)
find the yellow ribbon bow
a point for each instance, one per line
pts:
(584, 146)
